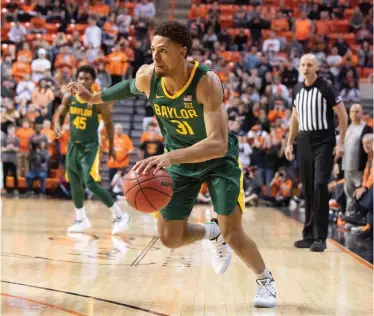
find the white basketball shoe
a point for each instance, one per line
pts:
(80, 226)
(120, 224)
(265, 293)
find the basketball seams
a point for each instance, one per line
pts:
(147, 188)
(141, 189)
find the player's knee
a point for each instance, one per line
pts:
(171, 239)
(232, 236)
(91, 185)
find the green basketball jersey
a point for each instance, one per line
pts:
(84, 122)
(180, 116)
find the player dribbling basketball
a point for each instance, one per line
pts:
(187, 100)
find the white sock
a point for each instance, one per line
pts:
(264, 275)
(116, 211)
(212, 230)
(80, 214)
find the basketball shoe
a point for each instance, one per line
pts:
(265, 293)
(221, 252)
(120, 224)
(80, 226)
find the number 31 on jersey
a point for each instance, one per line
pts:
(183, 127)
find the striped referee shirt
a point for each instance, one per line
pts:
(314, 105)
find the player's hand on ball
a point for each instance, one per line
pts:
(289, 153)
(78, 89)
(112, 153)
(158, 162)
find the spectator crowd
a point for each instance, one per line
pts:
(254, 46)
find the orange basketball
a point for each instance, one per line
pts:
(148, 193)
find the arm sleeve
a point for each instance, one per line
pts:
(123, 90)
(333, 99)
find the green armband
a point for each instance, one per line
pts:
(123, 90)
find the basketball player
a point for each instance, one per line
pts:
(187, 100)
(82, 159)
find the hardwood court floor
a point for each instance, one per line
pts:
(46, 272)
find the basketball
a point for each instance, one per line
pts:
(148, 193)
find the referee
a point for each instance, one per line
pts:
(314, 103)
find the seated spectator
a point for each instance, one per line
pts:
(215, 11)
(10, 116)
(351, 93)
(42, 114)
(341, 44)
(65, 61)
(20, 68)
(280, 189)
(42, 95)
(356, 22)
(349, 56)
(9, 150)
(240, 17)
(365, 55)
(123, 22)
(17, 33)
(151, 147)
(37, 24)
(251, 186)
(40, 66)
(23, 133)
(8, 85)
(314, 12)
(209, 38)
(38, 166)
(104, 78)
(264, 67)
(145, 10)
(92, 34)
(245, 150)
(363, 195)
(25, 88)
(365, 34)
(123, 147)
(334, 61)
(347, 74)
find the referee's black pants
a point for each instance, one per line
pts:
(315, 156)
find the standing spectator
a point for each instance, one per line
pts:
(10, 116)
(272, 44)
(356, 22)
(303, 29)
(117, 64)
(123, 22)
(41, 66)
(240, 17)
(252, 59)
(350, 93)
(92, 34)
(9, 149)
(145, 10)
(100, 9)
(17, 33)
(105, 80)
(20, 68)
(316, 142)
(354, 158)
(365, 55)
(25, 88)
(256, 25)
(37, 137)
(23, 133)
(215, 11)
(334, 60)
(241, 40)
(42, 95)
(38, 165)
(245, 150)
(209, 38)
(290, 75)
(123, 146)
(49, 133)
(8, 85)
(110, 33)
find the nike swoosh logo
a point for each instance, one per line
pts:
(159, 96)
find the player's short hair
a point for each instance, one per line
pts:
(176, 32)
(87, 69)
